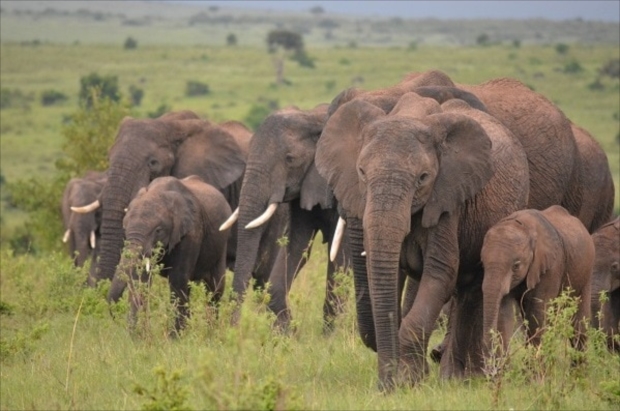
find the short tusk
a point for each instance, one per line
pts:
(363, 254)
(65, 237)
(93, 240)
(333, 252)
(87, 208)
(147, 264)
(263, 218)
(231, 220)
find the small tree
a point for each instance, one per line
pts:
(130, 43)
(196, 88)
(231, 39)
(51, 97)
(106, 86)
(483, 39)
(135, 94)
(561, 48)
(283, 43)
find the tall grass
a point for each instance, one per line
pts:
(62, 348)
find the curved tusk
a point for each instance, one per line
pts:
(87, 208)
(338, 234)
(93, 240)
(65, 237)
(363, 254)
(264, 217)
(231, 220)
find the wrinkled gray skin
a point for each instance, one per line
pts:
(177, 144)
(557, 175)
(606, 277)
(530, 257)
(184, 216)
(396, 173)
(281, 170)
(80, 227)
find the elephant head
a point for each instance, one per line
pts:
(396, 172)
(280, 168)
(606, 277)
(178, 144)
(516, 251)
(82, 225)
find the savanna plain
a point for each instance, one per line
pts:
(63, 347)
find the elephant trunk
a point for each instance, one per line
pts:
(252, 203)
(122, 184)
(385, 232)
(493, 293)
(126, 271)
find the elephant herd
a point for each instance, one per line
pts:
(482, 196)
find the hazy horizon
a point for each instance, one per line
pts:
(601, 10)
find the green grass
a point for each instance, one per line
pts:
(61, 349)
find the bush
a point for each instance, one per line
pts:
(162, 109)
(135, 95)
(256, 115)
(105, 86)
(130, 43)
(611, 68)
(51, 97)
(196, 88)
(573, 67)
(483, 39)
(561, 48)
(231, 39)
(14, 98)
(303, 59)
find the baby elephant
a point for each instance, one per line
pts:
(606, 277)
(532, 256)
(184, 216)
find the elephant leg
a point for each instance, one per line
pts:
(363, 302)
(463, 353)
(581, 320)
(611, 317)
(289, 261)
(534, 315)
(179, 298)
(438, 350)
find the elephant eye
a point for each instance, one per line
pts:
(516, 265)
(362, 174)
(153, 163)
(289, 158)
(614, 266)
(424, 177)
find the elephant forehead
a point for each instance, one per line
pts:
(507, 234)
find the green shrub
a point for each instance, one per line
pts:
(130, 43)
(51, 97)
(105, 86)
(14, 98)
(561, 48)
(572, 67)
(196, 88)
(256, 115)
(161, 109)
(135, 95)
(231, 39)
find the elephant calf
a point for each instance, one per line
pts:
(184, 216)
(532, 256)
(606, 277)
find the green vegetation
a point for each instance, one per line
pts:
(59, 345)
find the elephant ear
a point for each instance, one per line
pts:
(314, 188)
(465, 164)
(343, 97)
(210, 152)
(546, 243)
(183, 206)
(338, 149)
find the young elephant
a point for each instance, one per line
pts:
(606, 277)
(532, 256)
(184, 216)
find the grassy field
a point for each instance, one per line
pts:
(61, 349)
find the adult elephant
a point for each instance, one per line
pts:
(606, 278)
(82, 229)
(184, 216)
(423, 183)
(280, 170)
(178, 144)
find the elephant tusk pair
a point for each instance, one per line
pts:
(93, 240)
(338, 234)
(65, 237)
(264, 217)
(231, 220)
(87, 208)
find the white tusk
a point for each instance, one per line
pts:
(147, 265)
(93, 240)
(125, 209)
(231, 220)
(333, 252)
(264, 217)
(87, 208)
(363, 253)
(65, 237)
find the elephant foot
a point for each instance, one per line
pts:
(411, 372)
(437, 352)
